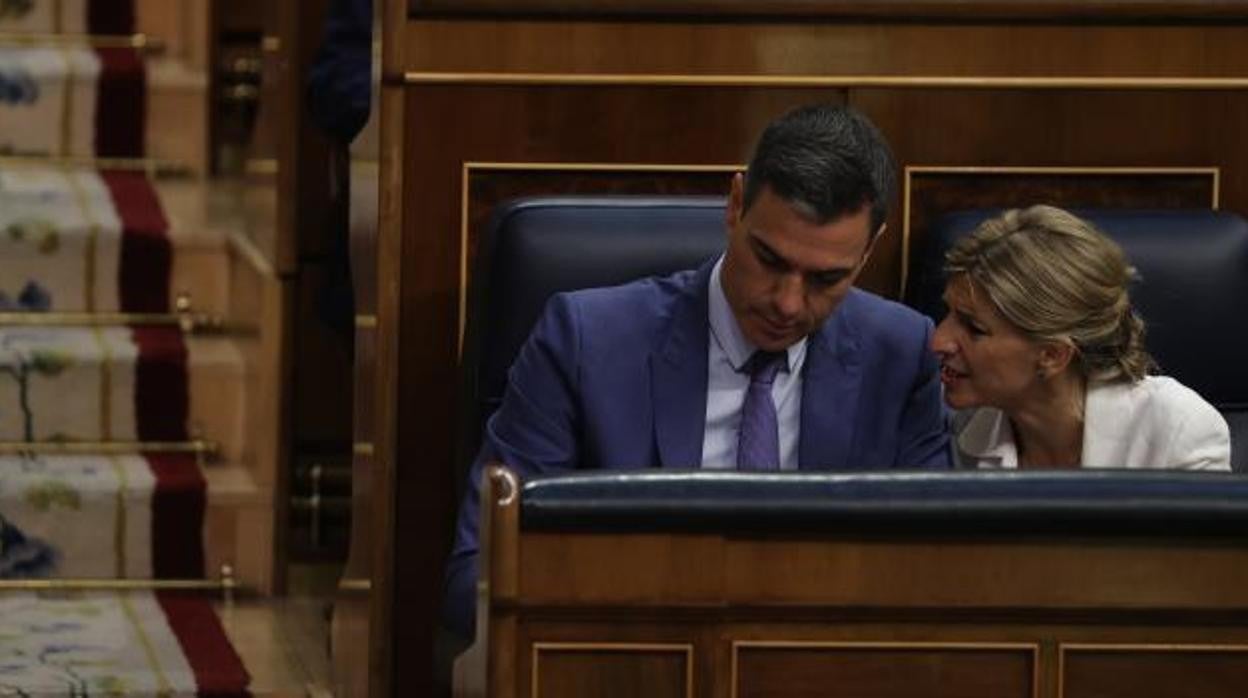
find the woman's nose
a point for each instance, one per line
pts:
(942, 338)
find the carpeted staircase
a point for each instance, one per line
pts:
(133, 487)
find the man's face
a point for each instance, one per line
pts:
(783, 275)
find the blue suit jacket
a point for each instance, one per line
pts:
(617, 378)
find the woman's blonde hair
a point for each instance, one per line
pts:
(1055, 277)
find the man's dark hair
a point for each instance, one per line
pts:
(828, 160)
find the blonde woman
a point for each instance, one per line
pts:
(1043, 359)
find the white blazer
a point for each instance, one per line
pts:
(1154, 423)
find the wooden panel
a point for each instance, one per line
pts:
(816, 49)
(607, 671)
(931, 671)
(903, 9)
(1160, 672)
(929, 193)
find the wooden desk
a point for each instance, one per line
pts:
(898, 613)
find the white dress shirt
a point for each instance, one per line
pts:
(1154, 423)
(728, 351)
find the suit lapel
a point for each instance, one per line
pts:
(830, 387)
(678, 377)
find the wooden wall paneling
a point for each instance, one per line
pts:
(391, 221)
(771, 50)
(933, 10)
(934, 670)
(1148, 131)
(1153, 671)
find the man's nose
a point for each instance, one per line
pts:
(790, 295)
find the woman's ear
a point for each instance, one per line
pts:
(1054, 358)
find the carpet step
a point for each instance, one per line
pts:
(148, 644)
(103, 102)
(133, 517)
(120, 384)
(75, 239)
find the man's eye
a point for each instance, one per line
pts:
(768, 259)
(824, 281)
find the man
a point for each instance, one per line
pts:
(763, 359)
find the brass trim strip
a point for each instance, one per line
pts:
(154, 168)
(188, 322)
(469, 167)
(199, 447)
(112, 584)
(1213, 172)
(365, 322)
(673, 648)
(363, 448)
(247, 249)
(850, 644)
(261, 166)
(974, 82)
(355, 585)
(148, 45)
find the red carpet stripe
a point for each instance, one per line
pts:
(110, 16)
(161, 400)
(121, 104)
(177, 517)
(146, 251)
(219, 672)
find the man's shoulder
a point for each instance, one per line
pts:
(874, 318)
(648, 297)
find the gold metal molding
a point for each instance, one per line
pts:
(363, 448)
(149, 45)
(1033, 648)
(187, 322)
(910, 171)
(469, 168)
(85, 584)
(365, 322)
(355, 585)
(972, 82)
(200, 447)
(611, 647)
(1064, 648)
(154, 168)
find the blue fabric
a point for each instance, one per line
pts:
(339, 86)
(615, 379)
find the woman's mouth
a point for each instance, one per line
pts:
(949, 375)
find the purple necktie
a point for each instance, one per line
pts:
(758, 442)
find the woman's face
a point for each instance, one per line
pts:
(984, 360)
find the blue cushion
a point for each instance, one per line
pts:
(1099, 502)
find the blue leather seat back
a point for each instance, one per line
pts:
(1193, 269)
(536, 247)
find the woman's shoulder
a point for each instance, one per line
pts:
(1156, 420)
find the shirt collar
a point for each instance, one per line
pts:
(727, 333)
(988, 436)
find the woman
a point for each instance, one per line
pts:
(1043, 356)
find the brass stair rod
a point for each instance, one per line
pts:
(208, 449)
(154, 168)
(188, 322)
(148, 45)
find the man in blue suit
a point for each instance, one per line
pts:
(764, 359)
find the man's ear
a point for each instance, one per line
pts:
(736, 198)
(871, 243)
